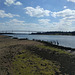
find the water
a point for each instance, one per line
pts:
(64, 40)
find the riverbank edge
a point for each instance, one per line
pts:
(46, 43)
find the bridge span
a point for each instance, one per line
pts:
(20, 31)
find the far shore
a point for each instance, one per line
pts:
(68, 33)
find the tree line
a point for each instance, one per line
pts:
(55, 33)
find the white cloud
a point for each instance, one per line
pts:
(15, 24)
(3, 14)
(44, 21)
(10, 2)
(71, 0)
(36, 12)
(12, 24)
(64, 13)
(67, 19)
(18, 3)
(63, 25)
(65, 7)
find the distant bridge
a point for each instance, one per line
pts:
(19, 31)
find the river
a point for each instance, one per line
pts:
(64, 40)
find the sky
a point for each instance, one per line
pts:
(37, 15)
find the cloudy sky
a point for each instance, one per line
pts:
(37, 15)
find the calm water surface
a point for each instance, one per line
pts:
(64, 40)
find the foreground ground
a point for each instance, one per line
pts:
(25, 57)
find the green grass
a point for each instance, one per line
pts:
(66, 60)
(28, 63)
(42, 60)
(59, 51)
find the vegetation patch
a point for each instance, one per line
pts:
(43, 60)
(28, 63)
(55, 49)
(66, 60)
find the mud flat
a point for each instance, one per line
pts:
(26, 57)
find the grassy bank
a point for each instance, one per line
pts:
(24, 57)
